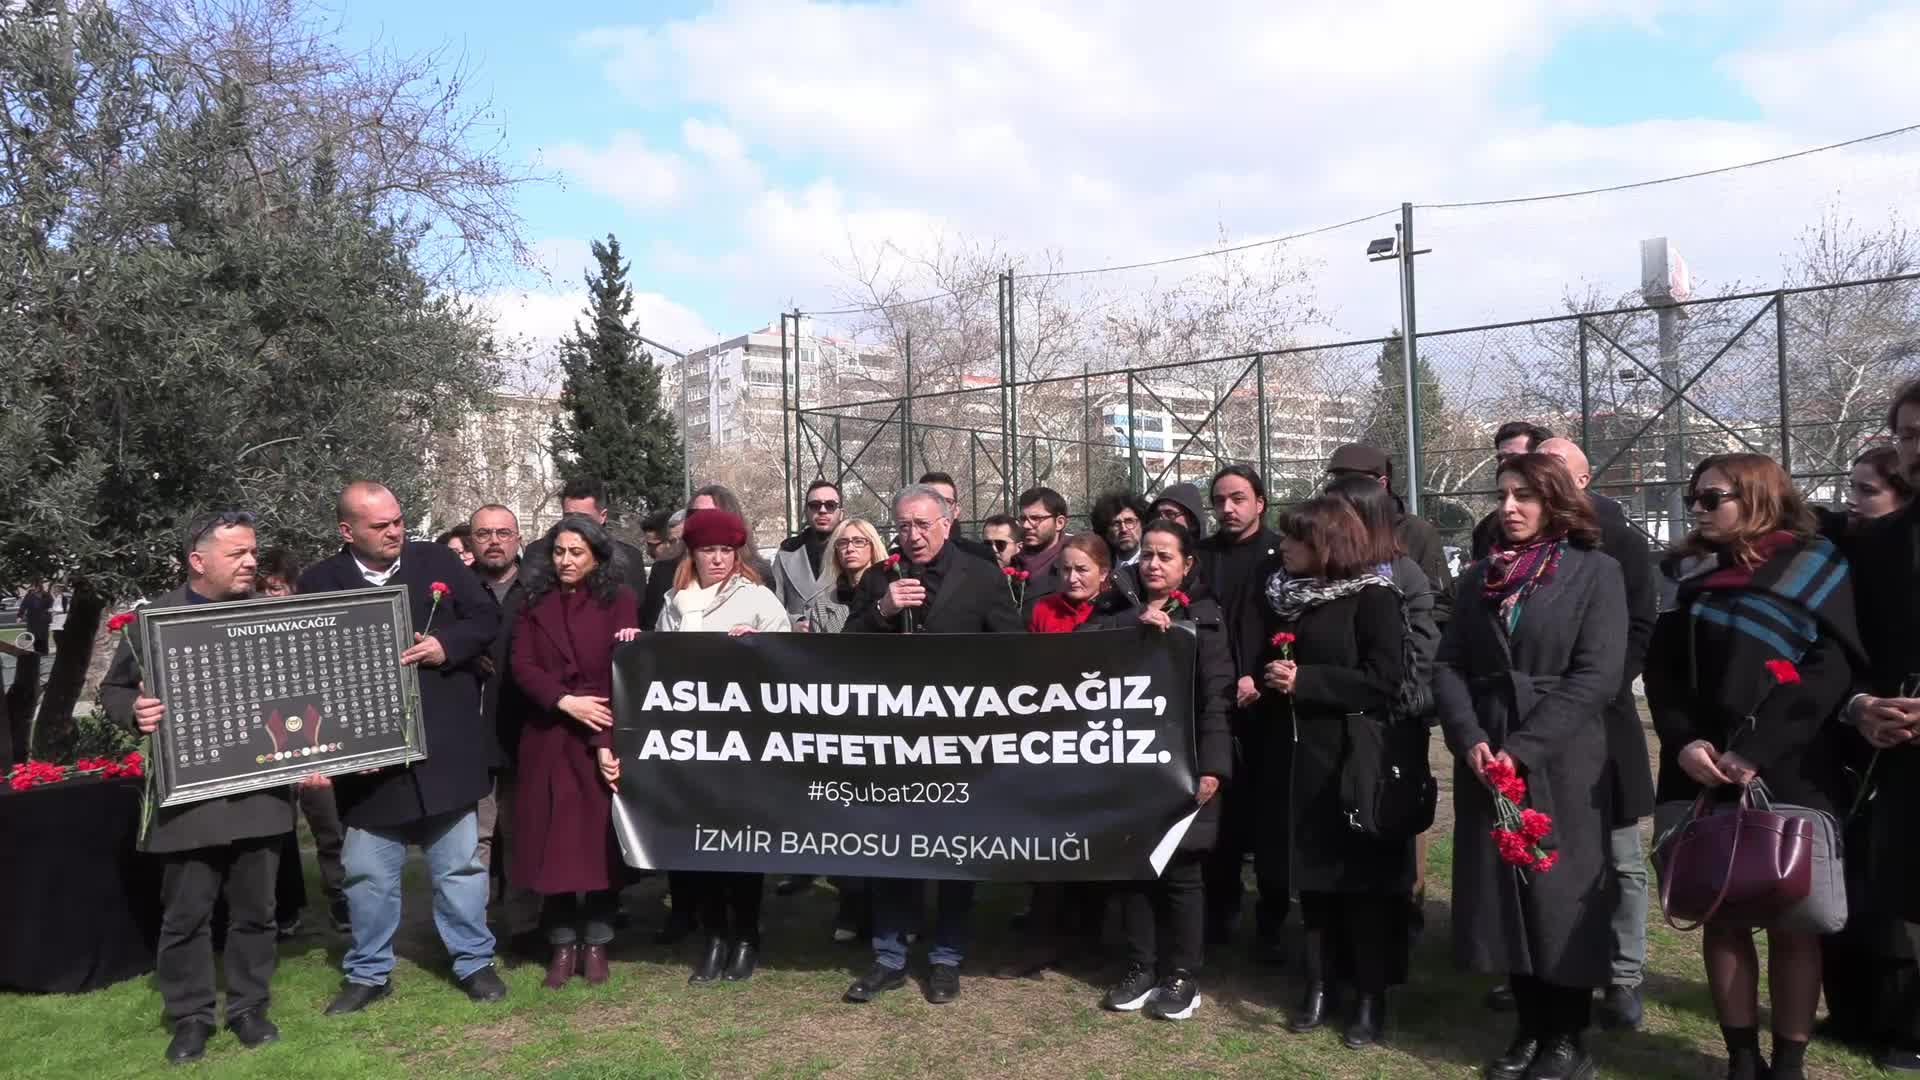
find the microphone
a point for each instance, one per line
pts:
(907, 570)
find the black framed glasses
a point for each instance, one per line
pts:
(822, 506)
(484, 535)
(1709, 499)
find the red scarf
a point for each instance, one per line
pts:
(1056, 614)
(1735, 575)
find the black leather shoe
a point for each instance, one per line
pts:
(189, 1041)
(253, 1029)
(1562, 1057)
(484, 985)
(874, 983)
(355, 996)
(1500, 999)
(943, 984)
(1513, 1064)
(1312, 1012)
(1369, 1017)
(712, 962)
(1620, 1009)
(740, 964)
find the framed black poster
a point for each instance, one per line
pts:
(261, 693)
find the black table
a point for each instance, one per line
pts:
(79, 907)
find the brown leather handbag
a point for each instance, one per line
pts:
(1744, 863)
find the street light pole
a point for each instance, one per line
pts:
(1399, 248)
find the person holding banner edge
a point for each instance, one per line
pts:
(1165, 919)
(942, 592)
(717, 590)
(562, 660)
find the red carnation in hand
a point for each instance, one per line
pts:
(1534, 824)
(117, 623)
(893, 561)
(1514, 848)
(1179, 597)
(1281, 639)
(1009, 571)
(1783, 672)
(1024, 575)
(439, 589)
(1545, 862)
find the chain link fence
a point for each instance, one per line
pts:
(1802, 375)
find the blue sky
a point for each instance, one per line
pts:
(744, 152)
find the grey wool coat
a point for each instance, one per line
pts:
(1541, 695)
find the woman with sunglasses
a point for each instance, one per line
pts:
(1742, 677)
(1164, 920)
(1531, 658)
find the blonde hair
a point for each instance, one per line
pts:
(686, 575)
(830, 568)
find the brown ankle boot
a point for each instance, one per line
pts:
(593, 964)
(566, 960)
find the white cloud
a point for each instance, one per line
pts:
(1115, 133)
(539, 318)
(626, 169)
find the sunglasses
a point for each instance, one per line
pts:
(1710, 499)
(999, 545)
(822, 506)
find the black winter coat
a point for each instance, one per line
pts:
(1213, 697)
(1885, 558)
(461, 749)
(970, 597)
(1633, 793)
(1350, 665)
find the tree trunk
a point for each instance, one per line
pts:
(54, 734)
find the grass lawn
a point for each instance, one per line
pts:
(788, 1021)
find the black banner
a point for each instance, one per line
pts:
(1055, 757)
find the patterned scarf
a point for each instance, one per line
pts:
(1513, 573)
(1294, 597)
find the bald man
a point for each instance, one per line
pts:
(1626, 738)
(429, 803)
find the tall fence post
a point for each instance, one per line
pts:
(1133, 441)
(1409, 353)
(1260, 415)
(906, 417)
(786, 458)
(1013, 385)
(1086, 433)
(1586, 401)
(1780, 359)
(1007, 449)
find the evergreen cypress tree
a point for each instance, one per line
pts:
(1387, 426)
(613, 426)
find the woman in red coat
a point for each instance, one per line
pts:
(563, 823)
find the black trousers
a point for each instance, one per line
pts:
(190, 883)
(1165, 920)
(1548, 1009)
(729, 904)
(1256, 822)
(1364, 937)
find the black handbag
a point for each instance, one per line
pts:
(1387, 788)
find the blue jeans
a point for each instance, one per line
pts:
(374, 859)
(898, 907)
(1630, 918)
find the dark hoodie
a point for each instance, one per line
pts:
(1187, 497)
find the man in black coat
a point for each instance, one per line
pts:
(1885, 557)
(1626, 743)
(205, 847)
(1043, 532)
(431, 803)
(495, 530)
(1234, 564)
(939, 591)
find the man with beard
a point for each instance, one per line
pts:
(496, 562)
(229, 845)
(1043, 526)
(1002, 535)
(1119, 517)
(1234, 564)
(796, 566)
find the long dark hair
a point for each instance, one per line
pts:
(609, 569)
(1335, 533)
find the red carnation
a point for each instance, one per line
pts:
(1545, 862)
(1281, 639)
(1180, 598)
(439, 589)
(1009, 571)
(893, 561)
(1024, 575)
(1783, 672)
(1513, 847)
(1534, 824)
(117, 623)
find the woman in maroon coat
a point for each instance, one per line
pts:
(563, 825)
